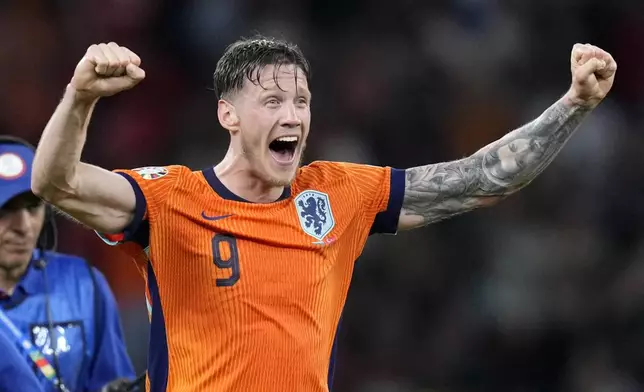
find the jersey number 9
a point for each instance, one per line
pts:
(231, 262)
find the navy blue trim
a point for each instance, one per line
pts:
(142, 235)
(158, 345)
(386, 222)
(334, 353)
(141, 206)
(220, 189)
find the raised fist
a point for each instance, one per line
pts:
(593, 71)
(106, 69)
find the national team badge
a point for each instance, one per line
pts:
(151, 172)
(314, 212)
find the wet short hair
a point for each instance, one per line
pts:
(246, 58)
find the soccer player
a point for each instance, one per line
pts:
(55, 309)
(248, 262)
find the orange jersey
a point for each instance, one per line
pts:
(247, 296)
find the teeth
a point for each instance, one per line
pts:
(287, 139)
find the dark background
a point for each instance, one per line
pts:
(544, 292)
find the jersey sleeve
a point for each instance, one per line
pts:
(152, 186)
(381, 190)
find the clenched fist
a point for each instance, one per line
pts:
(106, 69)
(593, 71)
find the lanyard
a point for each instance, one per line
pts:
(33, 352)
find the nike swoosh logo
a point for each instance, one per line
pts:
(214, 218)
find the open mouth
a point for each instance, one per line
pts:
(283, 149)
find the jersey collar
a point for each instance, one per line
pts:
(225, 193)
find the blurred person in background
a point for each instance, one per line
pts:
(241, 297)
(56, 309)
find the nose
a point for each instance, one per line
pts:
(290, 118)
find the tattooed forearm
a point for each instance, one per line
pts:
(439, 191)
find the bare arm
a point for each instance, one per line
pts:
(96, 197)
(439, 191)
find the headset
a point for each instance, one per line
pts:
(48, 241)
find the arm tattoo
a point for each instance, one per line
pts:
(439, 191)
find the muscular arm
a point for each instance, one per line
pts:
(439, 191)
(96, 197)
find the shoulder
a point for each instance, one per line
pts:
(66, 263)
(63, 261)
(156, 173)
(322, 172)
(326, 167)
(71, 270)
(154, 184)
(325, 173)
(62, 266)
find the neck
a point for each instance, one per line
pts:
(10, 276)
(235, 173)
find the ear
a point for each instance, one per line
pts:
(227, 116)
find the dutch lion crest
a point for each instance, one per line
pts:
(314, 212)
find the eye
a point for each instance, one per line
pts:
(302, 101)
(33, 207)
(272, 101)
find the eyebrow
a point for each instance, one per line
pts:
(274, 77)
(267, 91)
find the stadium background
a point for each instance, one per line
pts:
(542, 293)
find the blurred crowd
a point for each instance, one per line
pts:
(544, 292)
